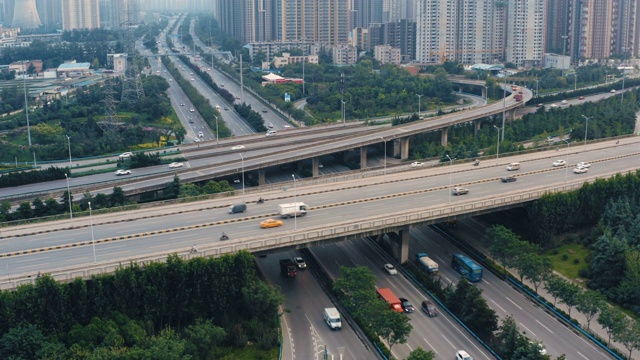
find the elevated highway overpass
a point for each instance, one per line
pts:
(348, 208)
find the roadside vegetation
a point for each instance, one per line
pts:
(172, 310)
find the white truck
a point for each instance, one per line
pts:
(292, 209)
(332, 317)
(425, 263)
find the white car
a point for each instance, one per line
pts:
(583, 164)
(580, 170)
(123, 172)
(300, 262)
(126, 155)
(559, 163)
(390, 269)
(191, 79)
(459, 191)
(238, 147)
(182, 104)
(416, 164)
(192, 110)
(176, 165)
(200, 134)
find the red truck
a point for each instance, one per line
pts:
(388, 296)
(517, 97)
(288, 268)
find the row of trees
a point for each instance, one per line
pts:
(255, 120)
(166, 310)
(52, 207)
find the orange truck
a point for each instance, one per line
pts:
(393, 301)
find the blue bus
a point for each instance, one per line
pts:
(467, 267)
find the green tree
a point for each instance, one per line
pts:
(589, 303)
(117, 197)
(509, 338)
(394, 327)
(627, 332)
(569, 295)
(503, 244)
(609, 264)
(356, 286)
(421, 354)
(172, 189)
(467, 303)
(23, 342)
(202, 339)
(554, 284)
(534, 267)
(608, 318)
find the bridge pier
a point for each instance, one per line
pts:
(315, 166)
(363, 157)
(261, 177)
(484, 92)
(400, 244)
(476, 128)
(401, 148)
(444, 136)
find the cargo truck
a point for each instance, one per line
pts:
(393, 301)
(292, 209)
(425, 263)
(517, 97)
(332, 317)
(288, 267)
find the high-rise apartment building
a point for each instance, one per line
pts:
(594, 29)
(558, 25)
(80, 14)
(365, 12)
(525, 32)
(400, 34)
(50, 13)
(322, 21)
(626, 27)
(117, 14)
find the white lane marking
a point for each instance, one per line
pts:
(501, 308)
(447, 340)
(511, 301)
(431, 346)
(529, 330)
(579, 353)
(541, 324)
(30, 259)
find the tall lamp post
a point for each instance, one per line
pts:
(622, 95)
(537, 82)
(242, 161)
(69, 196)
(450, 164)
(26, 104)
(566, 168)
(586, 125)
(419, 98)
(497, 144)
(504, 104)
(93, 241)
(69, 144)
(575, 81)
(486, 93)
(217, 137)
(385, 155)
(295, 201)
(344, 121)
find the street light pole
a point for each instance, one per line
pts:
(497, 144)
(566, 168)
(69, 196)
(344, 121)
(504, 104)
(450, 164)
(242, 160)
(486, 93)
(93, 241)
(537, 81)
(586, 125)
(575, 81)
(295, 202)
(69, 143)
(217, 137)
(26, 103)
(385, 155)
(419, 98)
(622, 95)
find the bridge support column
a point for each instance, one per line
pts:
(363, 157)
(401, 148)
(512, 114)
(401, 248)
(476, 128)
(444, 136)
(484, 92)
(261, 177)
(315, 166)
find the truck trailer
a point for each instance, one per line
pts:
(393, 301)
(288, 268)
(425, 263)
(292, 209)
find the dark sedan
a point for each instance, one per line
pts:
(406, 306)
(508, 179)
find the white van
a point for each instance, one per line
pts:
(513, 166)
(270, 132)
(332, 317)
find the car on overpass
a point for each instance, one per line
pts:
(270, 223)
(123, 172)
(508, 179)
(459, 191)
(580, 170)
(559, 163)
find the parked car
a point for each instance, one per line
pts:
(123, 172)
(459, 191)
(390, 269)
(559, 163)
(270, 223)
(406, 306)
(508, 179)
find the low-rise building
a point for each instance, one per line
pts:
(387, 54)
(287, 59)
